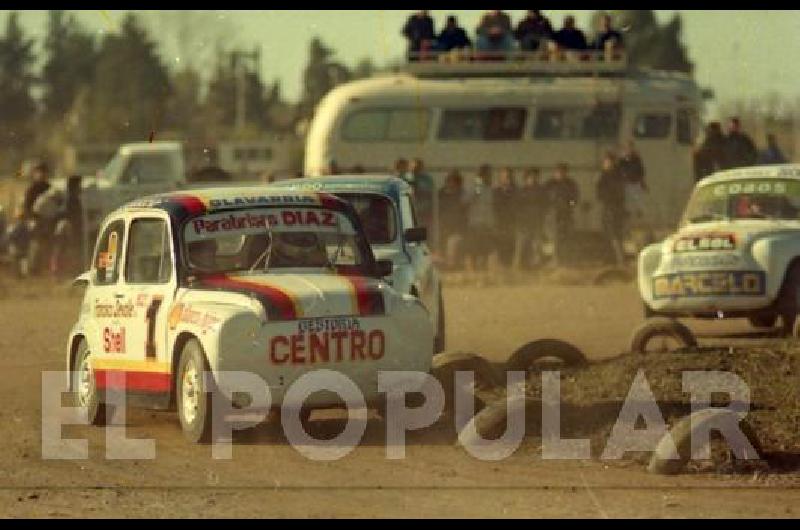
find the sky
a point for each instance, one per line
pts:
(738, 54)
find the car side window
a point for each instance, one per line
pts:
(148, 259)
(107, 255)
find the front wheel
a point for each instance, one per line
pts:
(439, 341)
(193, 394)
(84, 387)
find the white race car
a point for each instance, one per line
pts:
(385, 205)
(273, 283)
(736, 253)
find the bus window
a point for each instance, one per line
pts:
(683, 124)
(397, 125)
(601, 121)
(490, 124)
(652, 126)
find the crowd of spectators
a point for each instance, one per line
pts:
(732, 149)
(496, 32)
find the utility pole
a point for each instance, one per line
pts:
(238, 64)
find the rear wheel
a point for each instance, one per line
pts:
(662, 335)
(788, 303)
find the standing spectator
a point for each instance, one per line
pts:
(46, 211)
(18, 238)
(570, 37)
(401, 169)
(333, 168)
(68, 238)
(563, 194)
(611, 194)
(505, 214)
(494, 32)
(422, 183)
(709, 157)
(452, 218)
(607, 36)
(772, 154)
(420, 32)
(453, 37)
(480, 219)
(740, 151)
(39, 185)
(632, 170)
(533, 30)
(532, 207)
(358, 169)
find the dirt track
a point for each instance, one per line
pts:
(268, 477)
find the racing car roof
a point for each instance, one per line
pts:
(186, 203)
(783, 171)
(364, 183)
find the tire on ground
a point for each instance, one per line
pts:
(445, 366)
(491, 422)
(198, 429)
(661, 327)
(98, 412)
(526, 357)
(681, 435)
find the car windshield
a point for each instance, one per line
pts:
(744, 199)
(377, 215)
(271, 238)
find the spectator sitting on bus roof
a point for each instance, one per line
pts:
(494, 32)
(772, 154)
(453, 36)
(740, 151)
(533, 30)
(607, 34)
(420, 32)
(569, 37)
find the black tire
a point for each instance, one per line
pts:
(439, 341)
(526, 358)
(788, 304)
(445, 366)
(662, 327)
(196, 415)
(97, 411)
(648, 313)
(763, 321)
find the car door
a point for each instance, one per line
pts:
(419, 253)
(107, 323)
(150, 286)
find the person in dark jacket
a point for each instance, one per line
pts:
(453, 37)
(420, 32)
(611, 194)
(39, 184)
(710, 155)
(533, 30)
(452, 219)
(563, 195)
(68, 241)
(740, 151)
(495, 32)
(570, 37)
(772, 154)
(505, 206)
(532, 206)
(607, 34)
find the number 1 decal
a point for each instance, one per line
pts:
(150, 318)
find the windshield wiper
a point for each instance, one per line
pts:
(708, 217)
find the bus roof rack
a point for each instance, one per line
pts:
(468, 63)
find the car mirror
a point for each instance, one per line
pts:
(384, 268)
(416, 235)
(83, 280)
